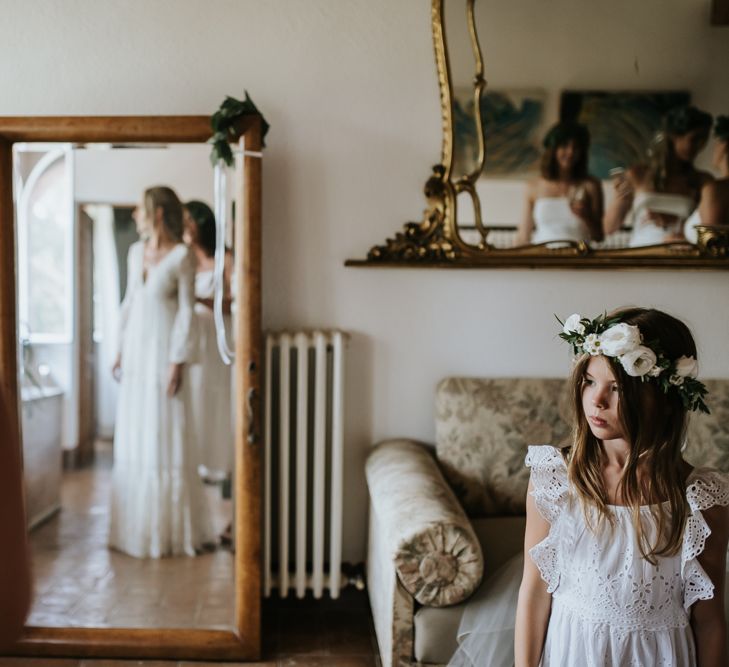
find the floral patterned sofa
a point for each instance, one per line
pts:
(442, 519)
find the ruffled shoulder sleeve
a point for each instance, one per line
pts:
(551, 493)
(549, 480)
(706, 489)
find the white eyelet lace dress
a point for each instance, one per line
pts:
(609, 605)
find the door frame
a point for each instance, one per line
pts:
(244, 641)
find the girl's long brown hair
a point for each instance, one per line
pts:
(654, 423)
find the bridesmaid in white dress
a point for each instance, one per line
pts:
(565, 203)
(713, 208)
(210, 378)
(656, 198)
(158, 506)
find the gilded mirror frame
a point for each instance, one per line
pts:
(244, 641)
(436, 240)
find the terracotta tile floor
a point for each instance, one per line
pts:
(80, 582)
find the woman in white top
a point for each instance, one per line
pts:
(210, 378)
(656, 198)
(158, 506)
(713, 207)
(565, 203)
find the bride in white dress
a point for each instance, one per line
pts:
(565, 202)
(158, 506)
(210, 379)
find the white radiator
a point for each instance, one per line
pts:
(303, 422)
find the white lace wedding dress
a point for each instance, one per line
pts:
(158, 506)
(610, 607)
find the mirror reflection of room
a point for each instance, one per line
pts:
(624, 166)
(126, 402)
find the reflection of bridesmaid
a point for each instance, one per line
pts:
(158, 506)
(210, 378)
(714, 205)
(658, 197)
(565, 202)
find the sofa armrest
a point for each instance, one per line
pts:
(393, 608)
(434, 549)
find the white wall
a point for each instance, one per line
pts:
(350, 91)
(120, 176)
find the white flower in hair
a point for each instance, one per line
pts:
(687, 367)
(619, 339)
(655, 371)
(573, 325)
(639, 361)
(592, 344)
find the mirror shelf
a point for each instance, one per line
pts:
(441, 239)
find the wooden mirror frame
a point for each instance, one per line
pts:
(244, 641)
(436, 240)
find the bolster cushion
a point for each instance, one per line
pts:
(435, 550)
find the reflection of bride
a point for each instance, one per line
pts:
(565, 203)
(158, 507)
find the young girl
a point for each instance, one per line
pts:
(625, 542)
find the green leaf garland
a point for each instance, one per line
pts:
(223, 123)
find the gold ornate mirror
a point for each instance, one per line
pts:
(460, 227)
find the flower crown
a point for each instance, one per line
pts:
(613, 338)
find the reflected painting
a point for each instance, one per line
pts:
(621, 124)
(512, 123)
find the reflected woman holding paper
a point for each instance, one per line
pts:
(565, 203)
(158, 506)
(656, 198)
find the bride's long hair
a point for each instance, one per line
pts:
(654, 423)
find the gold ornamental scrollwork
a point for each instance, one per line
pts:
(436, 238)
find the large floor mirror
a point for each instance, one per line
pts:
(143, 515)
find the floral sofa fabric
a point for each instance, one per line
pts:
(707, 440)
(482, 430)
